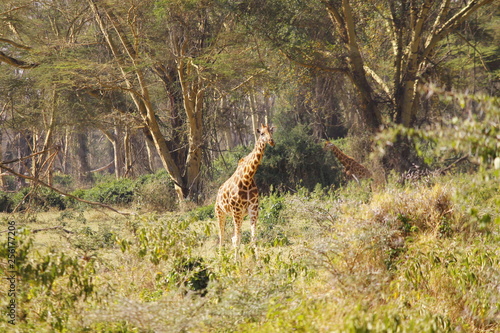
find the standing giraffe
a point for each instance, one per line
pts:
(352, 168)
(239, 195)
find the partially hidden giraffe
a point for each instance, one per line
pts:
(352, 168)
(239, 196)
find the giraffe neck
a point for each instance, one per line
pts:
(343, 158)
(252, 161)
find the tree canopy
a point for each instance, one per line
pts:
(133, 86)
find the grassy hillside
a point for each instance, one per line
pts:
(419, 257)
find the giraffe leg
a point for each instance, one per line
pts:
(221, 217)
(238, 221)
(253, 213)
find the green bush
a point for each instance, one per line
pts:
(119, 191)
(156, 192)
(272, 223)
(63, 181)
(40, 198)
(296, 160)
(88, 239)
(202, 213)
(50, 285)
(190, 273)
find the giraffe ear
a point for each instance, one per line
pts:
(272, 129)
(258, 130)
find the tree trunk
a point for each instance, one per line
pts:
(128, 153)
(117, 141)
(139, 92)
(193, 93)
(254, 115)
(344, 21)
(2, 182)
(150, 154)
(81, 156)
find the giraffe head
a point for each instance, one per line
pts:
(266, 134)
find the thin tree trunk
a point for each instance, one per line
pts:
(81, 155)
(150, 155)
(128, 153)
(116, 140)
(2, 182)
(65, 163)
(193, 94)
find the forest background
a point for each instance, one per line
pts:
(148, 105)
(131, 88)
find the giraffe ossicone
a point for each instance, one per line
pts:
(239, 195)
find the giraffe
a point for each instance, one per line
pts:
(239, 196)
(352, 168)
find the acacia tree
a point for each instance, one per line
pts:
(415, 29)
(179, 60)
(45, 107)
(384, 49)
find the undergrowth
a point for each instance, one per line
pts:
(420, 257)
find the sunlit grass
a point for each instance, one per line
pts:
(421, 257)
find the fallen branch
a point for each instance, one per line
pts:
(38, 181)
(103, 168)
(53, 228)
(46, 229)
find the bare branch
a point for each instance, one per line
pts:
(379, 80)
(11, 42)
(315, 66)
(29, 156)
(452, 23)
(15, 62)
(38, 181)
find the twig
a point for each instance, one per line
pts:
(443, 170)
(104, 167)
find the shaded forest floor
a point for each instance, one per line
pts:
(419, 257)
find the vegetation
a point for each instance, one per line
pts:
(121, 119)
(417, 257)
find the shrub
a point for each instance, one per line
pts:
(156, 192)
(272, 228)
(414, 209)
(119, 191)
(88, 239)
(190, 273)
(296, 160)
(202, 213)
(38, 198)
(50, 285)
(63, 181)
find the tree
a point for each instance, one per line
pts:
(187, 32)
(384, 69)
